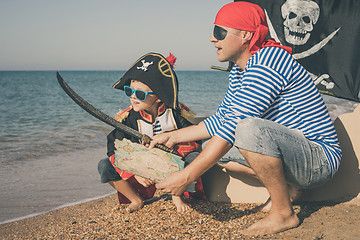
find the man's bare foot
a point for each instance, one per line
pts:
(180, 205)
(273, 223)
(134, 206)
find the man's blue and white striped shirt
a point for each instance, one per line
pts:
(274, 86)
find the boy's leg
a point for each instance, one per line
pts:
(180, 205)
(125, 188)
(109, 175)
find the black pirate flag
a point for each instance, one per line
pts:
(324, 36)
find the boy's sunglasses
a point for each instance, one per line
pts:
(139, 94)
(220, 33)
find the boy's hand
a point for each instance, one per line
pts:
(143, 181)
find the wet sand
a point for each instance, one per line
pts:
(40, 185)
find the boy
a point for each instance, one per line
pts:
(151, 85)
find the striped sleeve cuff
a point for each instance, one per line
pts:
(225, 130)
(212, 124)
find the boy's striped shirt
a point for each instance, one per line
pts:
(157, 127)
(274, 86)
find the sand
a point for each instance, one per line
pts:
(105, 218)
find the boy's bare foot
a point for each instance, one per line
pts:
(180, 205)
(273, 223)
(134, 206)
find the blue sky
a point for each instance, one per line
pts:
(105, 35)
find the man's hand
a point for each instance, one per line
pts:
(174, 184)
(143, 181)
(164, 138)
(188, 134)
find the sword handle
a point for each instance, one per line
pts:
(166, 149)
(146, 140)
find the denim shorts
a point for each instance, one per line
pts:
(108, 173)
(305, 163)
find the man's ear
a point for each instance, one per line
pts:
(247, 35)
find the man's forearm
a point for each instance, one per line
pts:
(191, 133)
(211, 154)
(176, 182)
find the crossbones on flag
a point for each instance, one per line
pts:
(324, 36)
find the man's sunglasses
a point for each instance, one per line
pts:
(139, 94)
(220, 33)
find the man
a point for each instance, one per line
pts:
(272, 112)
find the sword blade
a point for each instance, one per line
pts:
(95, 112)
(316, 47)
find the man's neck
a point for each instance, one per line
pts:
(241, 62)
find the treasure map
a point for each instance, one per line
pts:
(154, 164)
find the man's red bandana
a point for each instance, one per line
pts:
(248, 17)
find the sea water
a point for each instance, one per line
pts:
(49, 146)
(38, 118)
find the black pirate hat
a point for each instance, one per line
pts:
(157, 73)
